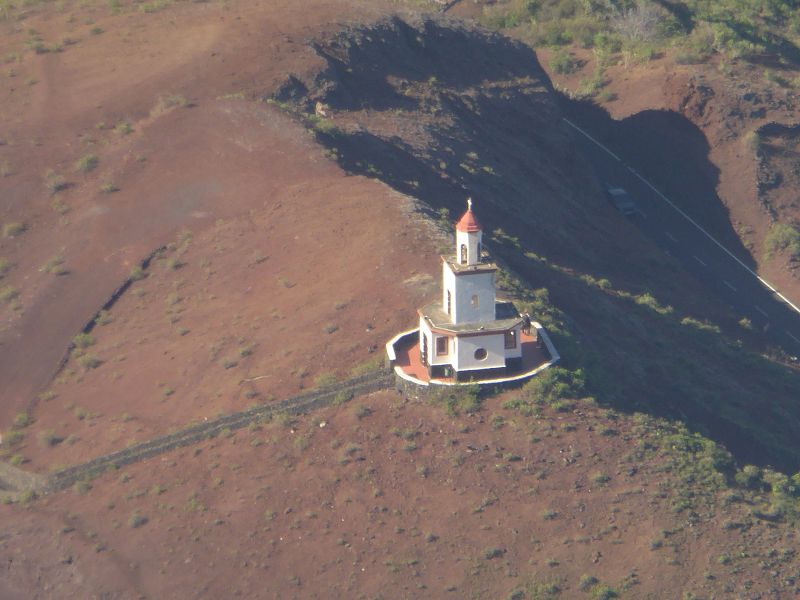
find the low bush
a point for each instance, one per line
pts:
(564, 63)
(13, 229)
(783, 237)
(456, 399)
(86, 163)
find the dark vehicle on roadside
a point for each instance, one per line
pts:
(622, 201)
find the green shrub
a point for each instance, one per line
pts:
(362, 411)
(13, 437)
(548, 514)
(5, 266)
(48, 438)
(86, 163)
(752, 141)
(592, 86)
(456, 399)
(8, 293)
(137, 273)
(22, 420)
(750, 477)
(649, 301)
(54, 266)
(123, 128)
(342, 397)
(168, 101)
(325, 380)
(104, 318)
(89, 361)
(586, 582)
(373, 365)
(551, 33)
(491, 553)
(137, 520)
(13, 229)
(603, 592)
(700, 325)
(552, 385)
(607, 42)
(563, 63)
(83, 340)
(783, 237)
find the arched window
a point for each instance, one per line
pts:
(463, 254)
(475, 301)
(511, 339)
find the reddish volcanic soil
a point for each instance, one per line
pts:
(382, 497)
(255, 306)
(278, 271)
(178, 168)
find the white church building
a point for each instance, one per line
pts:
(470, 335)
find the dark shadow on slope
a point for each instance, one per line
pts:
(498, 136)
(637, 359)
(373, 71)
(776, 45)
(681, 13)
(672, 152)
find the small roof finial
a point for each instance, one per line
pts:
(469, 203)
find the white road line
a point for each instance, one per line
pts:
(729, 285)
(670, 236)
(794, 338)
(571, 124)
(761, 310)
(700, 261)
(693, 222)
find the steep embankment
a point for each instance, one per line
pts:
(442, 110)
(726, 69)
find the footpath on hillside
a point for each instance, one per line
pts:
(15, 482)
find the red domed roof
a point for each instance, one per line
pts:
(469, 223)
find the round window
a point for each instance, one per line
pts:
(480, 354)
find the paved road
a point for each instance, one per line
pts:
(732, 281)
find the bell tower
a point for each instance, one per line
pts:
(469, 236)
(467, 280)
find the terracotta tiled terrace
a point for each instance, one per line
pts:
(408, 359)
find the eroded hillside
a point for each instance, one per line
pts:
(641, 326)
(288, 259)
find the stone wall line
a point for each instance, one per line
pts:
(302, 403)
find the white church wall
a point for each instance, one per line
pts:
(493, 344)
(444, 359)
(448, 285)
(480, 285)
(433, 358)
